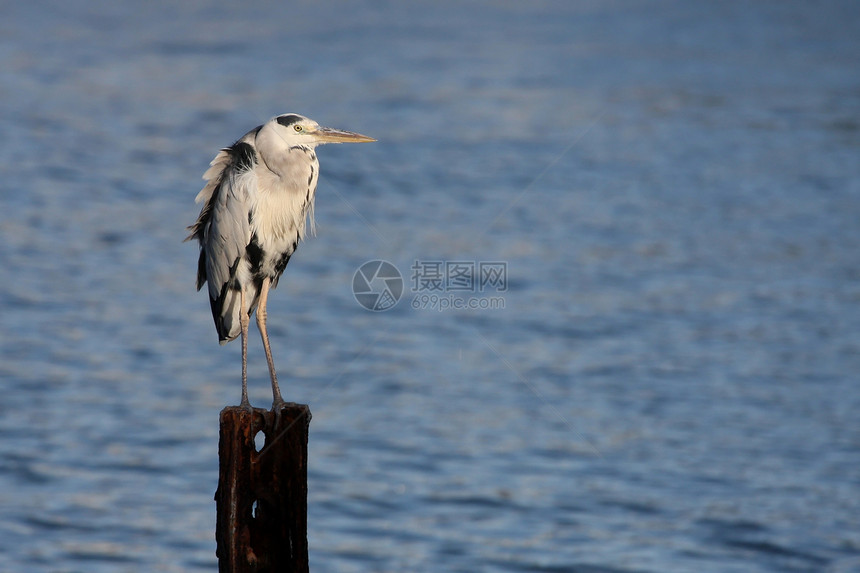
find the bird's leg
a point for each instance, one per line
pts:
(244, 320)
(261, 324)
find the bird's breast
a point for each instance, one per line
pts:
(283, 203)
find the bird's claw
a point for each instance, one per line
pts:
(277, 406)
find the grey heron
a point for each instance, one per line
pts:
(257, 201)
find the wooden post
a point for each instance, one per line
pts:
(262, 497)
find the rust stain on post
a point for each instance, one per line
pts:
(262, 496)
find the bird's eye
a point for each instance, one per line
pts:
(298, 128)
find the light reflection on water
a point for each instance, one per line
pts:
(669, 385)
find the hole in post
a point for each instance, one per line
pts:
(259, 440)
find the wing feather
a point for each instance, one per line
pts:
(228, 233)
(224, 232)
(225, 242)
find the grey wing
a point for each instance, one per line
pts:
(224, 245)
(229, 232)
(224, 233)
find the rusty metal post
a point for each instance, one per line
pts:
(262, 497)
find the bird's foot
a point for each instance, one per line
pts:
(277, 405)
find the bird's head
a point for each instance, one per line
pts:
(295, 129)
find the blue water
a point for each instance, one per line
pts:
(672, 384)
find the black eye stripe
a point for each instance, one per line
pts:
(289, 119)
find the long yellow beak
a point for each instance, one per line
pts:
(329, 135)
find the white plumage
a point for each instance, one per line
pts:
(257, 202)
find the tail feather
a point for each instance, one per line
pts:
(226, 309)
